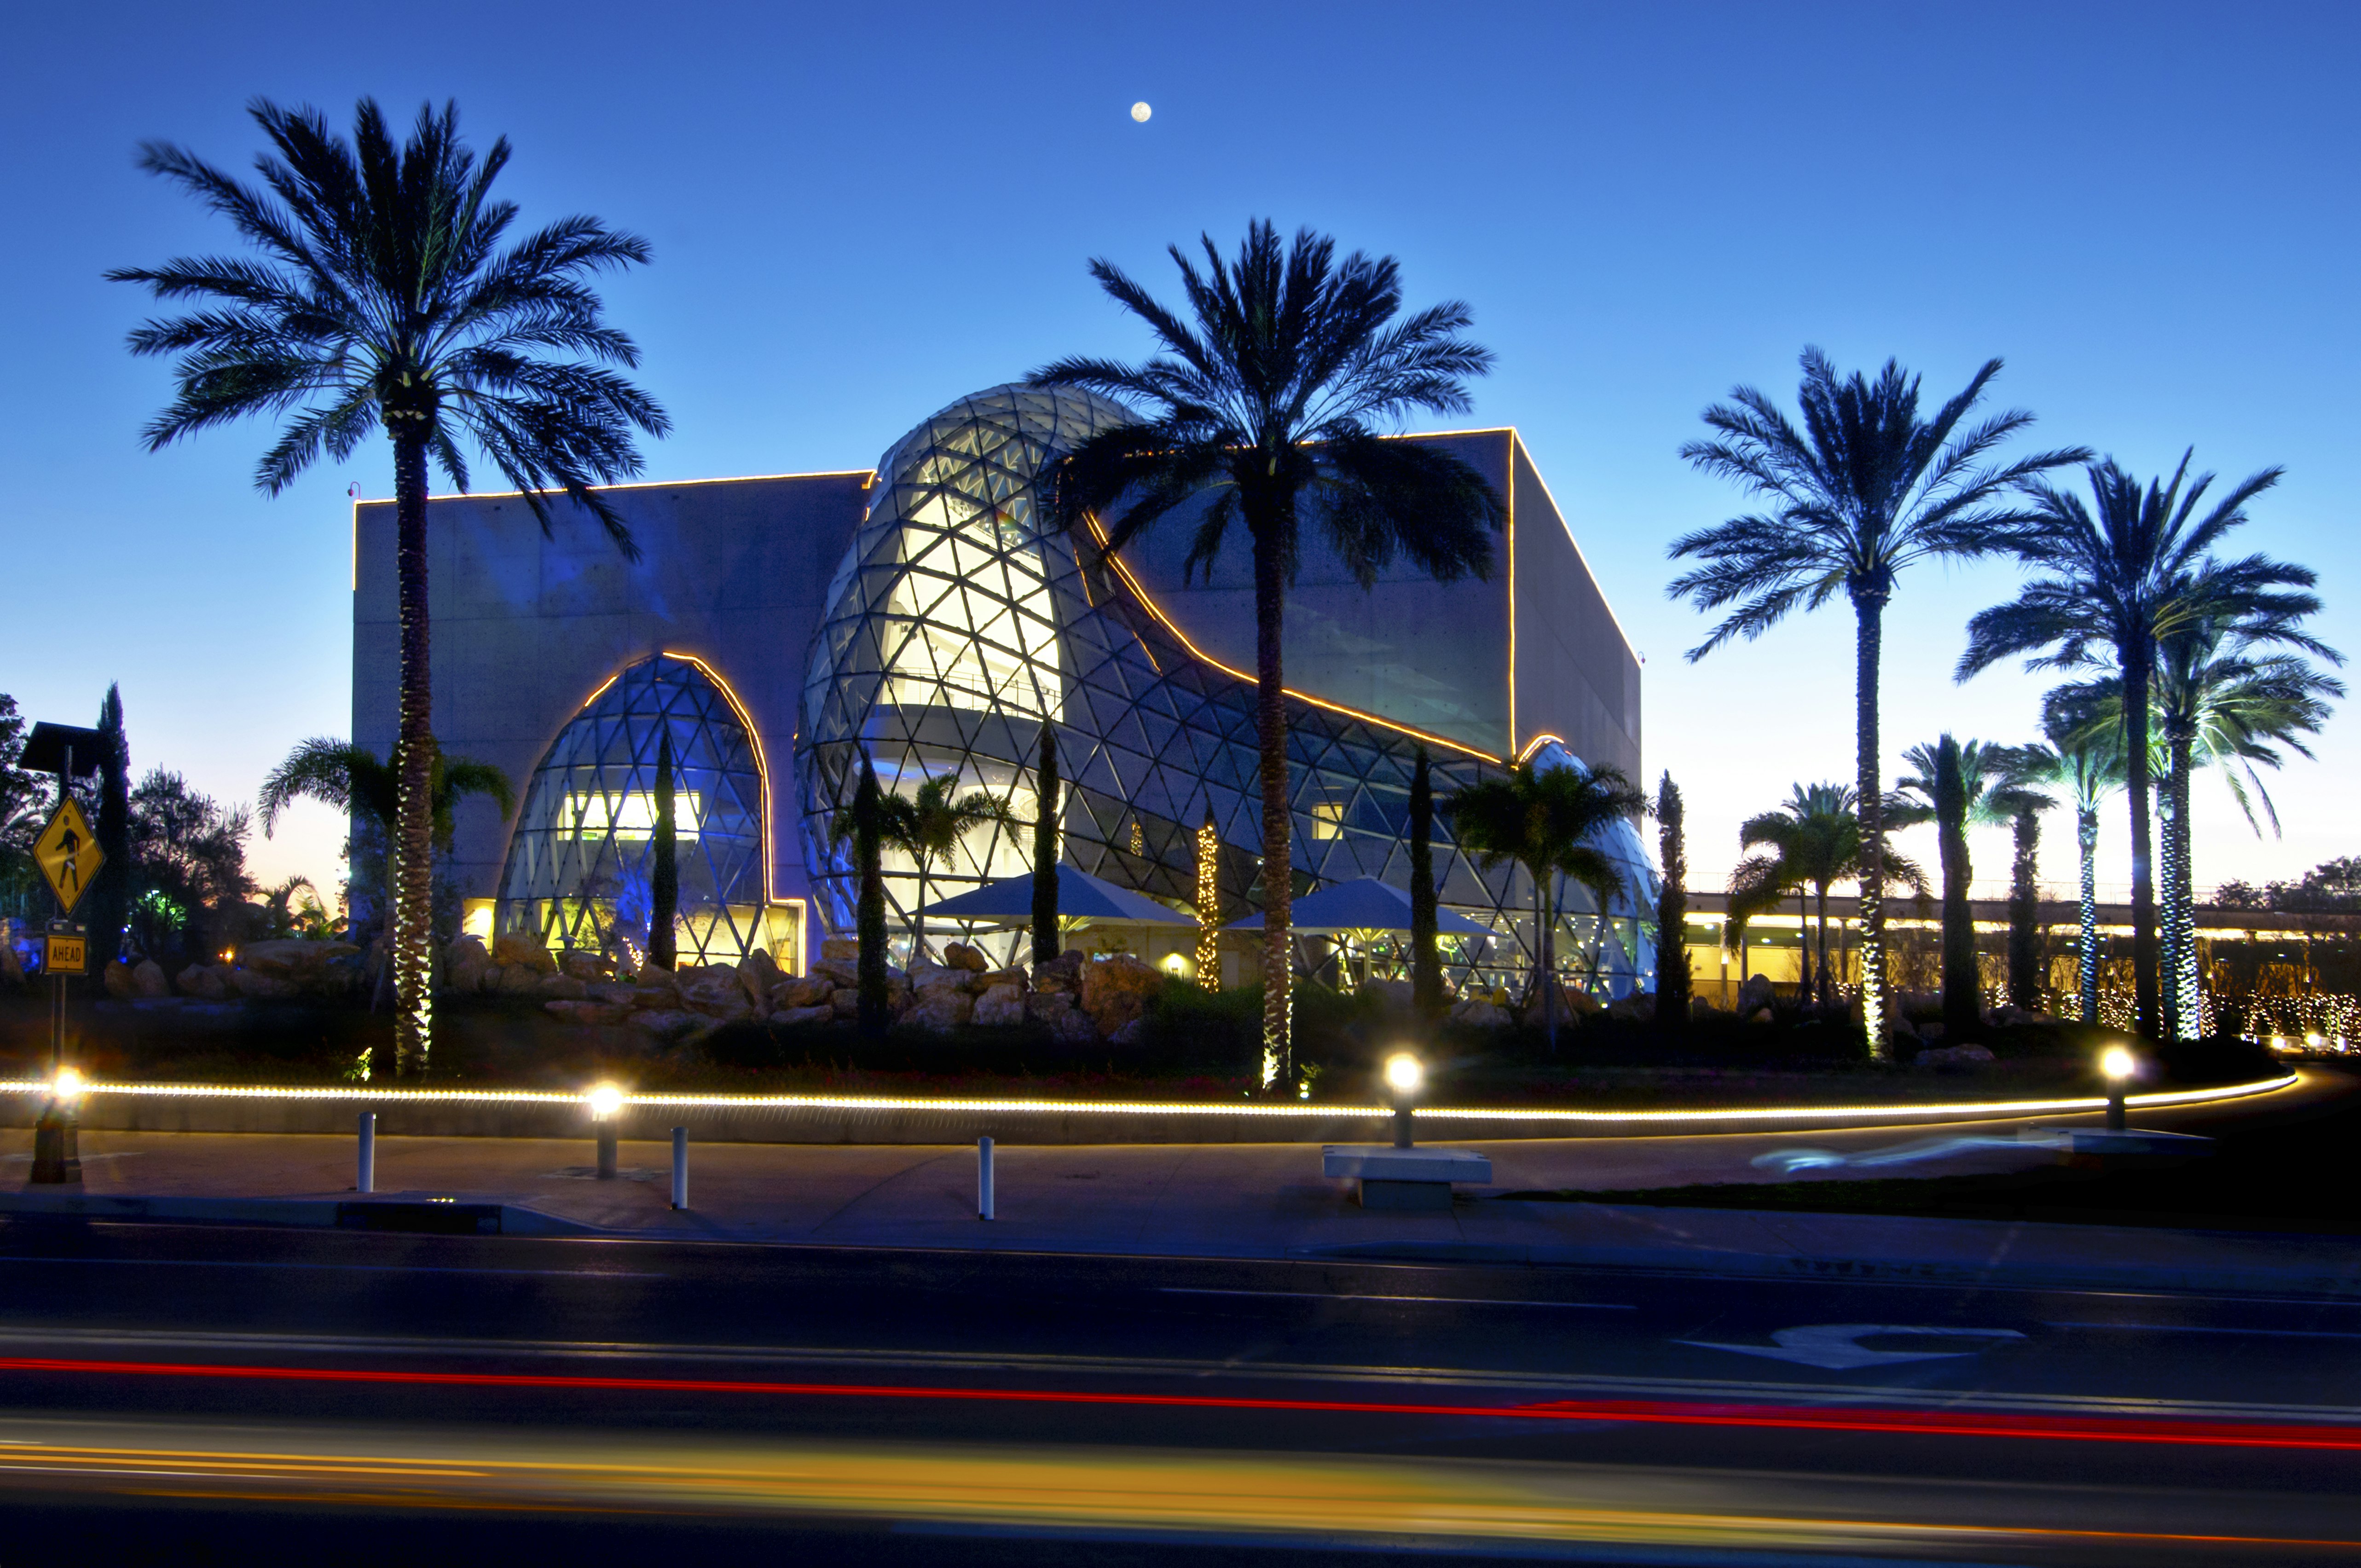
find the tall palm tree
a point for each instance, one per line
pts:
(927, 827)
(2026, 769)
(2216, 702)
(1862, 490)
(2087, 763)
(2113, 580)
(1269, 400)
(382, 299)
(1814, 838)
(1543, 820)
(1957, 785)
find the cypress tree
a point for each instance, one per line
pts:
(664, 872)
(1962, 981)
(868, 855)
(1425, 962)
(1673, 979)
(1045, 852)
(111, 894)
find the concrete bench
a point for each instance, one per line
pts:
(1389, 1178)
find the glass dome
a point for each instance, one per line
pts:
(579, 864)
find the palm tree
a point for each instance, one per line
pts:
(927, 827)
(865, 826)
(2025, 770)
(1959, 783)
(1543, 819)
(382, 299)
(1425, 957)
(1045, 850)
(2113, 578)
(1675, 983)
(1815, 836)
(1270, 401)
(2216, 702)
(2086, 762)
(353, 780)
(1863, 489)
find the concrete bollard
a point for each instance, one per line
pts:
(983, 1178)
(680, 1168)
(368, 1173)
(605, 1149)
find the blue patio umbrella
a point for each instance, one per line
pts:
(1082, 900)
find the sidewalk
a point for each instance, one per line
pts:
(1222, 1200)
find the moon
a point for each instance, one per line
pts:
(1140, 111)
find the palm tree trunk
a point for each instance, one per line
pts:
(1869, 610)
(2086, 835)
(2135, 782)
(1827, 993)
(2167, 841)
(1545, 952)
(1278, 858)
(868, 854)
(2024, 915)
(414, 837)
(1425, 959)
(918, 917)
(1962, 984)
(2183, 1002)
(664, 875)
(1805, 992)
(1045, 852)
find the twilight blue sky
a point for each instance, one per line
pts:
(860, 213)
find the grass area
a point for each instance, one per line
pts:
(2285, 1170)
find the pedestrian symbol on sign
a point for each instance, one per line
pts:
(68, 857)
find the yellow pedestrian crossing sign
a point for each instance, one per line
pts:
(69, 856)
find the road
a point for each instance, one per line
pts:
(175, 1392)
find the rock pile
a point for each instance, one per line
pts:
(279, 970)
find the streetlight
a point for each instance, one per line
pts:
(606, 1099)
(2118, 1064)
(1403, 1076)
(57, 1157)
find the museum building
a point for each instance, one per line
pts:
(923, 614)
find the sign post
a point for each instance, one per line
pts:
(68, 857)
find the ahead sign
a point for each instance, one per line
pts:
(67, 955)
(69, 856)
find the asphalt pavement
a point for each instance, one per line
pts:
(177, 1390)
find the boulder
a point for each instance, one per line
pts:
(717, 998)
(585, 965)
(1012, 975)
(117, 978)
(1062, 974)
(959, 955)
(811, 991)
(844, 1002)
(667, 1023)
(586, 1012)
(12, 968)
(1636, 1008)
(844, 971)
(756, 975)
(1116, 991)
(620, 992)
(650, 978)
(1476, 1013)
(2007, 1017)
(561, 987)
(469, 970)
(519, 980)
(1580, 1004)
(1000, 1008)
(1760, 1015)
(1055, 1011)
(1952, 1058)
(517, 947)
(791, 1016)
(264, 987)
(1393, 993)
(202, 982)
(841, 949)
(1753, 994)
(148, 979)
(940, 1009)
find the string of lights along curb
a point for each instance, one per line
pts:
(1966, 1110)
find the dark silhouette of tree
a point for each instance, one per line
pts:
(1674, 981)
(1864, 489)
(865, 826)
(110, 892)
(1425, 957)
(1045, 850)
(383, 300)
(1269, 398)
(1958, 784)
(663, 868)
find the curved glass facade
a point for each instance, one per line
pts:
(954, 627)
(579, 863)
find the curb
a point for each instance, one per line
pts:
(414, 1212)
(2346, 1285)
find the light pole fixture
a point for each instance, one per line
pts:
(2117, 1064)
(57, 1155)
(606, 1104)
(1404, 1077)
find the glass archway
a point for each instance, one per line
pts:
(579, 864)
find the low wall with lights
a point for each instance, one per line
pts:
(864, 1119)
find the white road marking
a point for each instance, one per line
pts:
(1837, 1347)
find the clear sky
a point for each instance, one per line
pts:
(860, 213)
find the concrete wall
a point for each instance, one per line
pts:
(526, 627)
(1577, 678)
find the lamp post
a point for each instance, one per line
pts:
(1403, 1077)
(2118, 1065)
(56, 1158)
(605, 1102)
